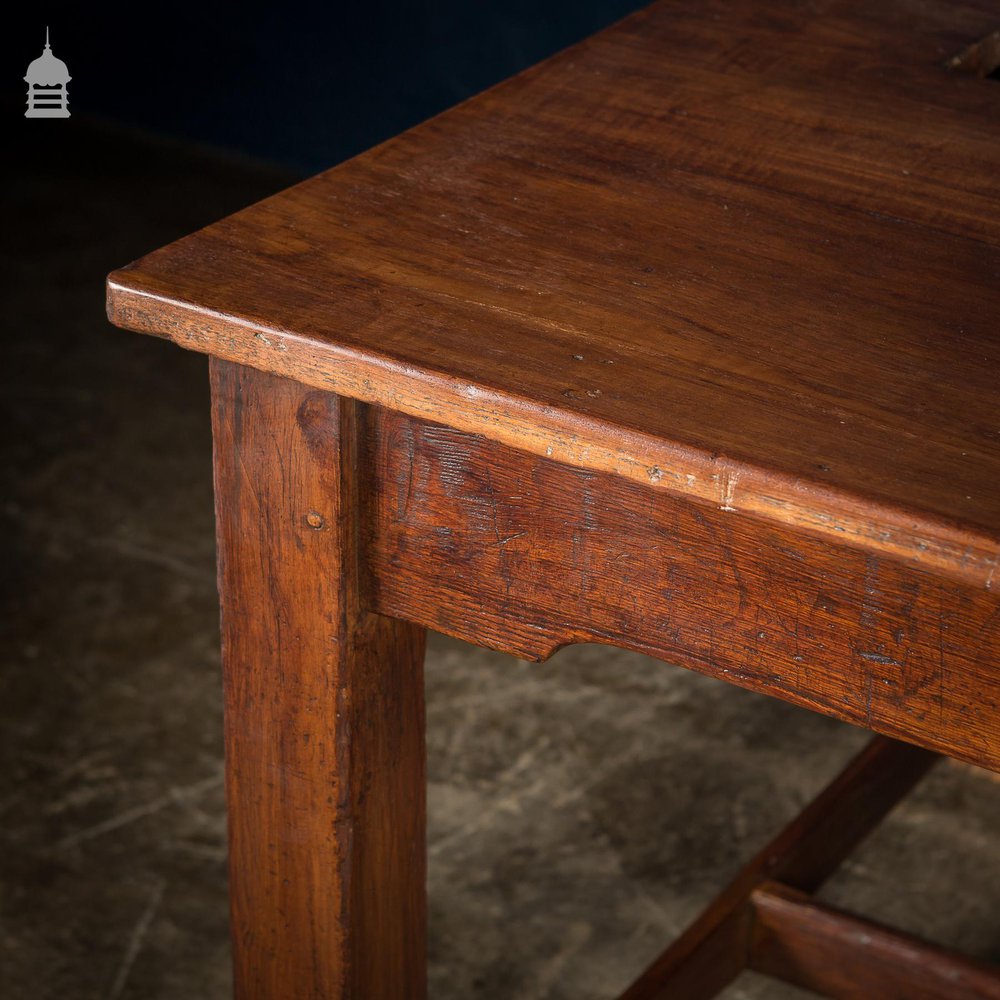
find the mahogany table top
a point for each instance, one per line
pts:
(747, 252)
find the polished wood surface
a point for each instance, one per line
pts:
(743, 252)
(324, 715)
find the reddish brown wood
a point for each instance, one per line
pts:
(741, 252)
(324, 711)
(715, 948)
(522, 553)
(839, 955)
(689, 337)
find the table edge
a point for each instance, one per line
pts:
(926, 540)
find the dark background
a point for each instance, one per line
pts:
(303, 85)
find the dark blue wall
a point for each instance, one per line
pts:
(305, 84)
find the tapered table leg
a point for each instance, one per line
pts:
(324, 713)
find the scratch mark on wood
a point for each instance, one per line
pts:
(881, 658)
(510, 538)
(727, 485)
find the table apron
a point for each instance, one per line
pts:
(524, 554)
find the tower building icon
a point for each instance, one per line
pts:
(47, 78)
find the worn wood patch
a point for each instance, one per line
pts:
(525, 554)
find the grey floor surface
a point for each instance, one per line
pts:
(581, 811)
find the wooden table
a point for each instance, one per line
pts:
(686, 340)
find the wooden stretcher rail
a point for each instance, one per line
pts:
(839, 955)
(715, 948)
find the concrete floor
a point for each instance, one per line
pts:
(581, 811)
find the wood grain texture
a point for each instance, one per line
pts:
(323, 711)
(526, 554)
(836, 954)
(715, 949)
(747, 253)
(686, 341)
